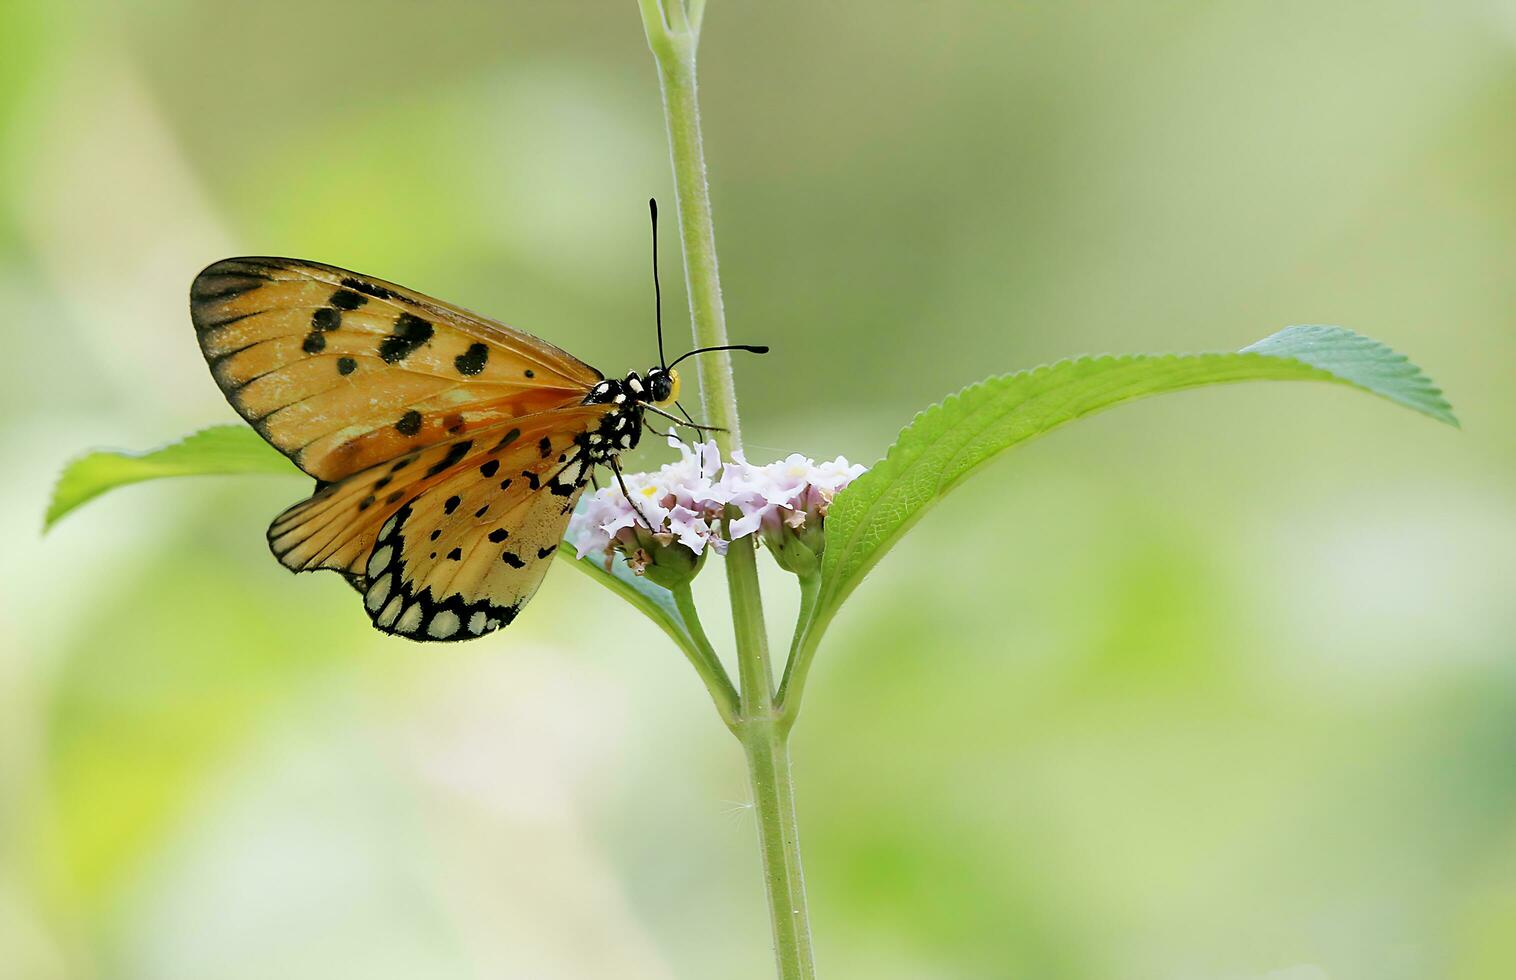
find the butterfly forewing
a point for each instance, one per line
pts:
(341, 372)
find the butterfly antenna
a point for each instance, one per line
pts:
(750, 348)
(652, 207)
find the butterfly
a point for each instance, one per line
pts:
(448, 449)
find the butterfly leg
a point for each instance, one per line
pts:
(678, 421)
(616, 469)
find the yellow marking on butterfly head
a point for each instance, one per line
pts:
(662, 386)
(673, 388)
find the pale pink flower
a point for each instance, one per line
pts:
(698, 503)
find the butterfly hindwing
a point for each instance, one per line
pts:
(448, 543)
(342, 372)
(457, 581)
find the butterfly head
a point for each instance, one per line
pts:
(662, 386)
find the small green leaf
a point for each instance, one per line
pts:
(948, 441)
(219, 449)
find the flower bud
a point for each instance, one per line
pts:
(659, 557)
(796, 541)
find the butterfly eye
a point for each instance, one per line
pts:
(663, 387)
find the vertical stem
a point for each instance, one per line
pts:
(702, 278)
(768, 761)
(673, 32)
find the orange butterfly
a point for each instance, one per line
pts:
(448, 450)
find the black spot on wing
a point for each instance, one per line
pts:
(471, 361)
(451, 504)
(326, 318)
(489, 468)
(367, 288)
(346, 365)
(512, 559)
(408, 425)
(544, 552)
(545, 447)
(410, 333)
(498, 535)
(314, 343)
(342, 299)
(455, 452)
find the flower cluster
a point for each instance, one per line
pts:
(685, 509)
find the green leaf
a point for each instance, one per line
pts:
(218, 449)
(1360, 361)
(948, 441)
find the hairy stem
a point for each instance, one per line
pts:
(802, 645)
(768, 760)
(705, 661)
(673, 31)
(692, 199)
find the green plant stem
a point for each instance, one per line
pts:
(674, 51)
(703, 658)
(797, 665)
(673, 32)
(768, 761)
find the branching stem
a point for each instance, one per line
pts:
(673, 33)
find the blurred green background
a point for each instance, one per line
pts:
(1221, 685)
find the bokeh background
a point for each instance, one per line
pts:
(1220, 685)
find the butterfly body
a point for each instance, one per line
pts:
(449, 450)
